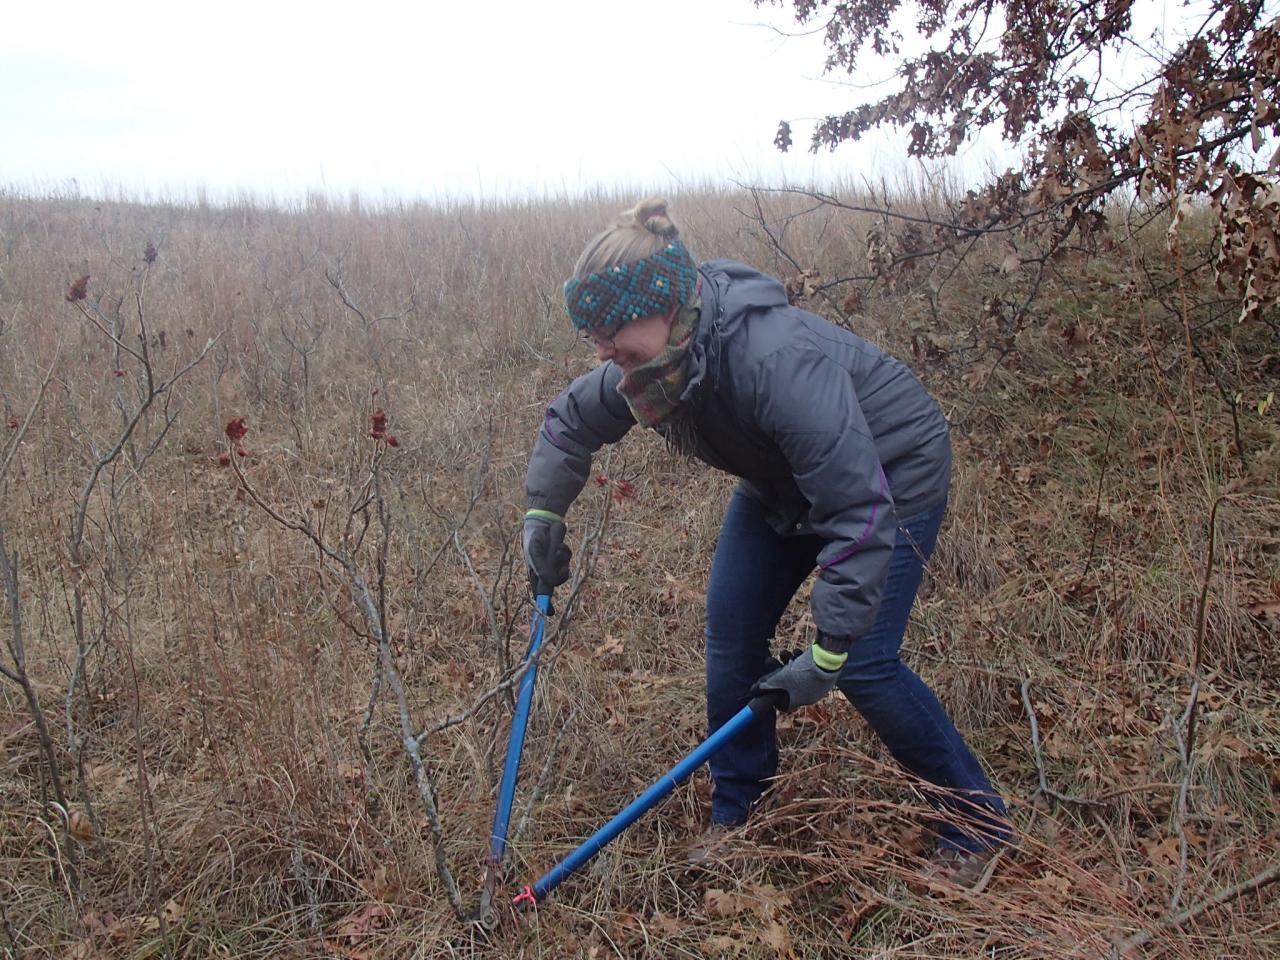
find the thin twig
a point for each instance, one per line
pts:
(540, 785)
(1076, 200)
(75, 741)
(339, 285)
(423, 778)
(776, 244)
(506, 683)
(490, 613)
(106, 332)
(362, 734)
(1097, 500)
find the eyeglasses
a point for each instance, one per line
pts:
(595, 342)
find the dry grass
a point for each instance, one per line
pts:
(223, 698)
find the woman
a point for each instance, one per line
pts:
(845, 464)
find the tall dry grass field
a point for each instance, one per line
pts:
(257, 689)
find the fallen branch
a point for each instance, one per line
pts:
(1044, 787)
(1172, 921)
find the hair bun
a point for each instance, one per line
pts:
(635, 234)
(651, 214)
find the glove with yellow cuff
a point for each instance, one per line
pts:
(807, 678)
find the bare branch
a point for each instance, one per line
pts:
(18, 435)
(374, 612)
(18, 674)
(336, 281)
(1187, 741)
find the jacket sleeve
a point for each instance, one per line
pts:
(806, 403)
(588, 414)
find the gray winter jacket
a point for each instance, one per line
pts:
(832, 435)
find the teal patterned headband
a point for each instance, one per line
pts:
(630, 291)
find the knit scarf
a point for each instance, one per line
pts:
(652, 390)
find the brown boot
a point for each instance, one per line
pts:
(709, 845)
(950, 868)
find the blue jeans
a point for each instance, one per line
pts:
(753, 577)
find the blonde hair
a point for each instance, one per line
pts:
(636, 233)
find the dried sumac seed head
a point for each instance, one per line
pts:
(13, 423)
(392, 441)
(79, 290)
(378, 421)
(236, 429)
(224, 459)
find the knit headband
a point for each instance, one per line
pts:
(630, 291)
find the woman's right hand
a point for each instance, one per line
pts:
(545, 551)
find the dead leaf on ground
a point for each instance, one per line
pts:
(79, 825)
(669, 926)
(1265, 609)
(381, 886)
(723, 944)
(84, 950)
(769, 900)
(777, 938)
(1163, 852)
(627, 928)
(1053, 884)
(856, 912)
(359, 924)
(724, 903)
(611, 645)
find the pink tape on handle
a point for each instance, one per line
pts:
(525, 896)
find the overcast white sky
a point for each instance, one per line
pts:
(400, 99)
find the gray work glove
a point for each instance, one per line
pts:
(802, 681)
(545, 551)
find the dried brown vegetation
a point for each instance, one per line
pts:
(193, 764)
(1097, 103)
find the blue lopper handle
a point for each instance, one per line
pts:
(515, 744)
(643, 803)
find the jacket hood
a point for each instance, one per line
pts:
(729, 291)
(738, 289)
